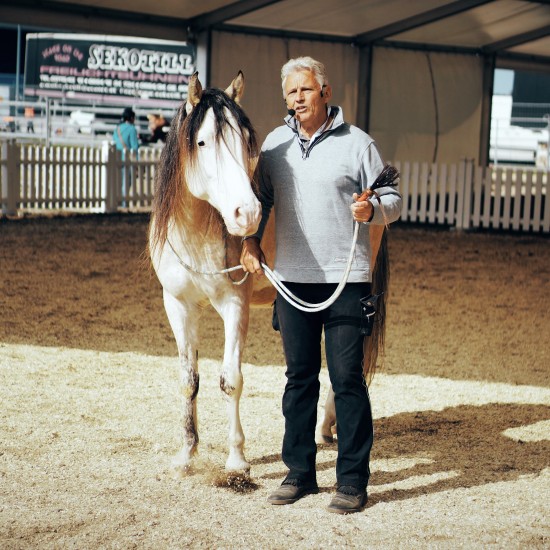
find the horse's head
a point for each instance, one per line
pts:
(220, 145)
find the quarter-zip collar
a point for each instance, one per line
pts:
(334, 120)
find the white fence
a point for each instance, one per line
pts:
(38, 178)
(465, 196)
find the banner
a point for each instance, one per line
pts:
(119, 69)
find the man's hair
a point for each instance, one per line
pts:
(304, 64)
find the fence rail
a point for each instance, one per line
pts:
(75, 178)
(39, 178)
(467, 196)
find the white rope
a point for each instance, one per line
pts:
(306, 306)
(210, 273)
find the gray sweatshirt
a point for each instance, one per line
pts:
(311, 191)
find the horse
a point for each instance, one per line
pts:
(205, 202)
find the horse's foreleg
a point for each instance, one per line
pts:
(326, 426)
(235, 316)
(185, 333)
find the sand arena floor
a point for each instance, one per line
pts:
(89, 407)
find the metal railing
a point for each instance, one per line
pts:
(520, 133)
(58, 122)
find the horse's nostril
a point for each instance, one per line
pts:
(246, 216)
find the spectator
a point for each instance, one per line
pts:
(159, 128)
(126, 140)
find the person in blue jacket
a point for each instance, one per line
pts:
(126, 140)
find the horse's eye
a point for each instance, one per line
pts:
(201, 144)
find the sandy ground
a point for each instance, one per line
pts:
(89, 407)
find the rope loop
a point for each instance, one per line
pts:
(283, 291)
(293, 300)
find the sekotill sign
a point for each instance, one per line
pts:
(148, 72)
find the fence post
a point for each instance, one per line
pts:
(460, 194)
(109, 177)
(467, 200)
(464, 194)
(10, 177)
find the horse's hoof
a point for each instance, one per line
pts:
(238, 468)
(180, 471)
(322, 439)
(236, 462)
(181, 466)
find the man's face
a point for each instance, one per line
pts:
(303, 94)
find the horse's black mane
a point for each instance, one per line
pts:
(218, 101)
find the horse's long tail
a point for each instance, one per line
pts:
(374, 344)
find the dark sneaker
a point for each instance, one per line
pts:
(290, 491)
(347, 500)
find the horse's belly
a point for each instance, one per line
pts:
(263, 293)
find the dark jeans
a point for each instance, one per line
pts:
(301, 335)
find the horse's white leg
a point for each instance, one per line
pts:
(184, 322)
(327, 421)
(235, 316)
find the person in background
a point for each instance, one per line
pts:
(126, 140)
(159, 127)
(311, 170)
(29, 115)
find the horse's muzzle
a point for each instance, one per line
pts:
(246, 219)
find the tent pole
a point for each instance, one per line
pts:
(486, 107)
(364, 87)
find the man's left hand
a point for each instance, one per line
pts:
(362, 211)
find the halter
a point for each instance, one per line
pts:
(225, 271)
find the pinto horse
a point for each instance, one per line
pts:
(205, 202)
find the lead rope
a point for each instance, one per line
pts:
(285, 293)
(210, 273)
(307, 306)
(314, 308)
(387, 177)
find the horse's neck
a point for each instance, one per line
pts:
(198, 229)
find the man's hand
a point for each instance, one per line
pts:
(362, 211)
(252, 256)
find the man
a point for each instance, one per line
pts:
(310, 170)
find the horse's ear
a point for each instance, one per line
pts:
(194, 93)
(236, 89)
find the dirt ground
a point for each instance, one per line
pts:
(89, 402)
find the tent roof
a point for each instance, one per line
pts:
(513, 29)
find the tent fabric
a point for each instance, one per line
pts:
(423, 106)
(261, 58)
(426, 106)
